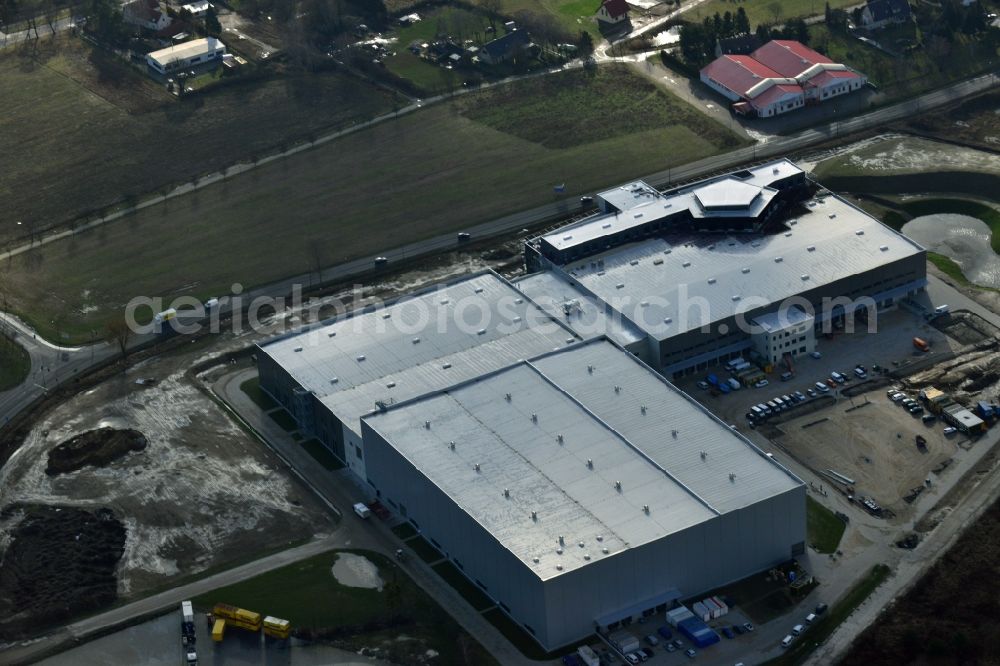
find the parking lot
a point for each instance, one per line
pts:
(863, 435)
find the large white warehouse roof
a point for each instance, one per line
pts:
(668, 287)
(586, 444)
(434, 339)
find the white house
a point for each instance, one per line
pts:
(195, 52)
(146, 14)
(197, 9)
(612, 12)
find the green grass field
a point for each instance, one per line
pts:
(763, 11)
(322, 455)
(252, 388)
(15, 364)
(309, 596)
(823, 528)
(949, 268)
(572, 15)
(82, 131)
(435, 171)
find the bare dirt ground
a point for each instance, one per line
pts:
(874, 444)
(201, 494)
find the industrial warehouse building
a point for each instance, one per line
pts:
(579, 489)
(709, 271)
(188, 54)
(780, 76)
(332, 374)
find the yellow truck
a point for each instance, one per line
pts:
(276, 627)
(218, 629)
(237, 617)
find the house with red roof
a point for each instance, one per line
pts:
(612, 12)
(780, 76)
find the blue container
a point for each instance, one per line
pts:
(698, 632)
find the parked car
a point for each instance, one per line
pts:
(915, 409)
(703, 385)
(950, 430)
(785, 376)
(678, 643)
(928, 418)
(632, 658)
(799, 396)
(761, 384)
(797, 629)
(810, 618)
(897, 396)
(586, 201)
(786, 641)
(822, 388)
(831, 383)
(820, 609)
(860, 373)
(811, 392)
(815, 354)
(690, 653)
(464, 236)
(670, 647)
(381, 261)
(748, 626)
(646, 652)
(728, 633)
(652, 639)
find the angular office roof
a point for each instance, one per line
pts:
(661, 285)
(434, 339)
(576, 423)
(672, 202)
(631, 195)
(578, 310)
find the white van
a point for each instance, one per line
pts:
(810, 618)
(797, 629)
(362, 510)
(786, 641)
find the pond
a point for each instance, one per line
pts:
(963, 239)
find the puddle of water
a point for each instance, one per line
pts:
(671, 36)
(963, 239)
(356, 571)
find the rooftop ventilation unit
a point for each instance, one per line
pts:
(736, 297)
(745, 271)
(704, 455)
(444, 301)
(481, 331)
(805, 277)
(788, 234)
(507, 397)
(331, 334)
(599, 537)
(833, 215)
(604, 550)
(427, 425)
(451, 445)
(884, 248)
(559, 438)
(477, 467)
(620, 285)
(667, 320)
(416, 341)
(586, 556)
(534, 559)
(590, 463)
(297, 349)
(657, 261)
(590, 369)
(778, 260)
(644, 304)
(645, 509)
(391, 385)
(334, 380)
(534, 418)
(811, 248)
(732, 477)
(711, 280)
(506, 493)
(566, 238)
(562, 541)
(642, 409)
(479, 290)
(386, 315)
(606, 225)
(559, 567)
(859, 232)
(618, 389)
(634, 262)
(667, 251)
(618, 486)
(519, 300)
(361, 357)
(673, 433)
(580, 544)
(686, 264)
(534, 517)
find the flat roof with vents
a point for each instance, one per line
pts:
(366, 358)
(821, 245)
(579, 422)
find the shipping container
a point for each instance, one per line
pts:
(722, 604)
(218, 630)
(624, 641)
(187, 611)
(276, 627)
(713, 608)
(588, 656)
(698, 632)
(921, 344)
(677, 614)
(238, 617)
(699, 610)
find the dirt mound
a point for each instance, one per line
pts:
(60, 563)
(94, 447)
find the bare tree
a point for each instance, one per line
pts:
(118, 332)
(776, 9)
(494, 10)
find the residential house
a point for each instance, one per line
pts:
(612, 12)
(146, 14)
(880, 13)
(504, 48)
